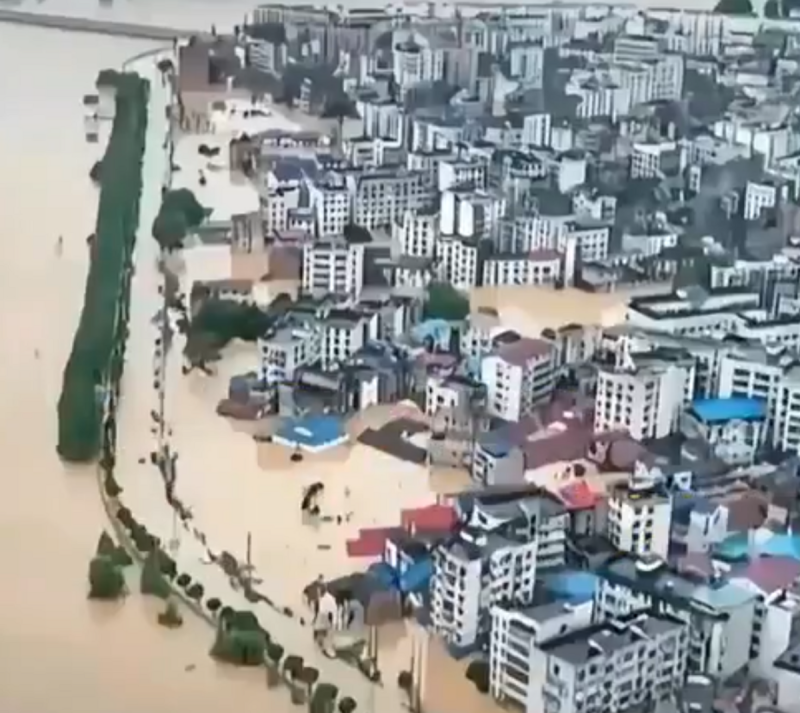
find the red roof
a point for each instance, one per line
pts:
(371, 542)
(578, 496)
(431, 518)
(770, 574)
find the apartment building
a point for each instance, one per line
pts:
(457, 262)
(416, 233)
(640, 515)
(380, 197)
(538, 267)
(643, 392)
(772, 378)
(654, 159)
(611, 667)
(343, 333)
(330, 202)
(515, 632)
(719, 614)
(591, 237)
(761, 195)
(526, 63)
(471, 170)
(705, 314)
(480, 329)
(774, 581)
(333, 267)
(504, 538)
(518, 375)
(288, 349)
(452, 401)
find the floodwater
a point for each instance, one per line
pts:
(55, 646)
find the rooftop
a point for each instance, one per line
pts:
(603, 640)
(731, 409)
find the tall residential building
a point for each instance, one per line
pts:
(504, 538)
(720, 614)
(518, 375)
(610, 667)
(514, 634)
(640, 514)
(333, 266)
(643, 393)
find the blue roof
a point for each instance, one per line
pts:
(312, 430)
(573, 586)
(733, 409)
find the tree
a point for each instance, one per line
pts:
(478, 673)
(445, 302)
(356, 234)
(165, 66)
(347, 705)
(152, 580)
(274, 656)
(293, 668)
(91, 367)
(170, 229)
(309, 676)
(324, 699)
(95, 173)
(105, 579)
(405, 681)
(734, 7)
(339, 107)
(183, 201)
(240, 640)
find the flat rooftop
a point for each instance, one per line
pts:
(733, 409)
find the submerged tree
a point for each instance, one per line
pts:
(171, 616)
(152, 580)
(106, 580)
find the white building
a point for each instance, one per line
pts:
(494, 558)
(515, 633)
(333, 266)
(720, 614)
(414, 61)
(518, 375)
(287, 350)
(612, 666)
(640, 515)
(653, 159)
(344, 332)
(330, 202)
(538, 267)
(416, 233)
(643, 393)
(773, 379)
(457, 262)
(759, 195)
(481, 327)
